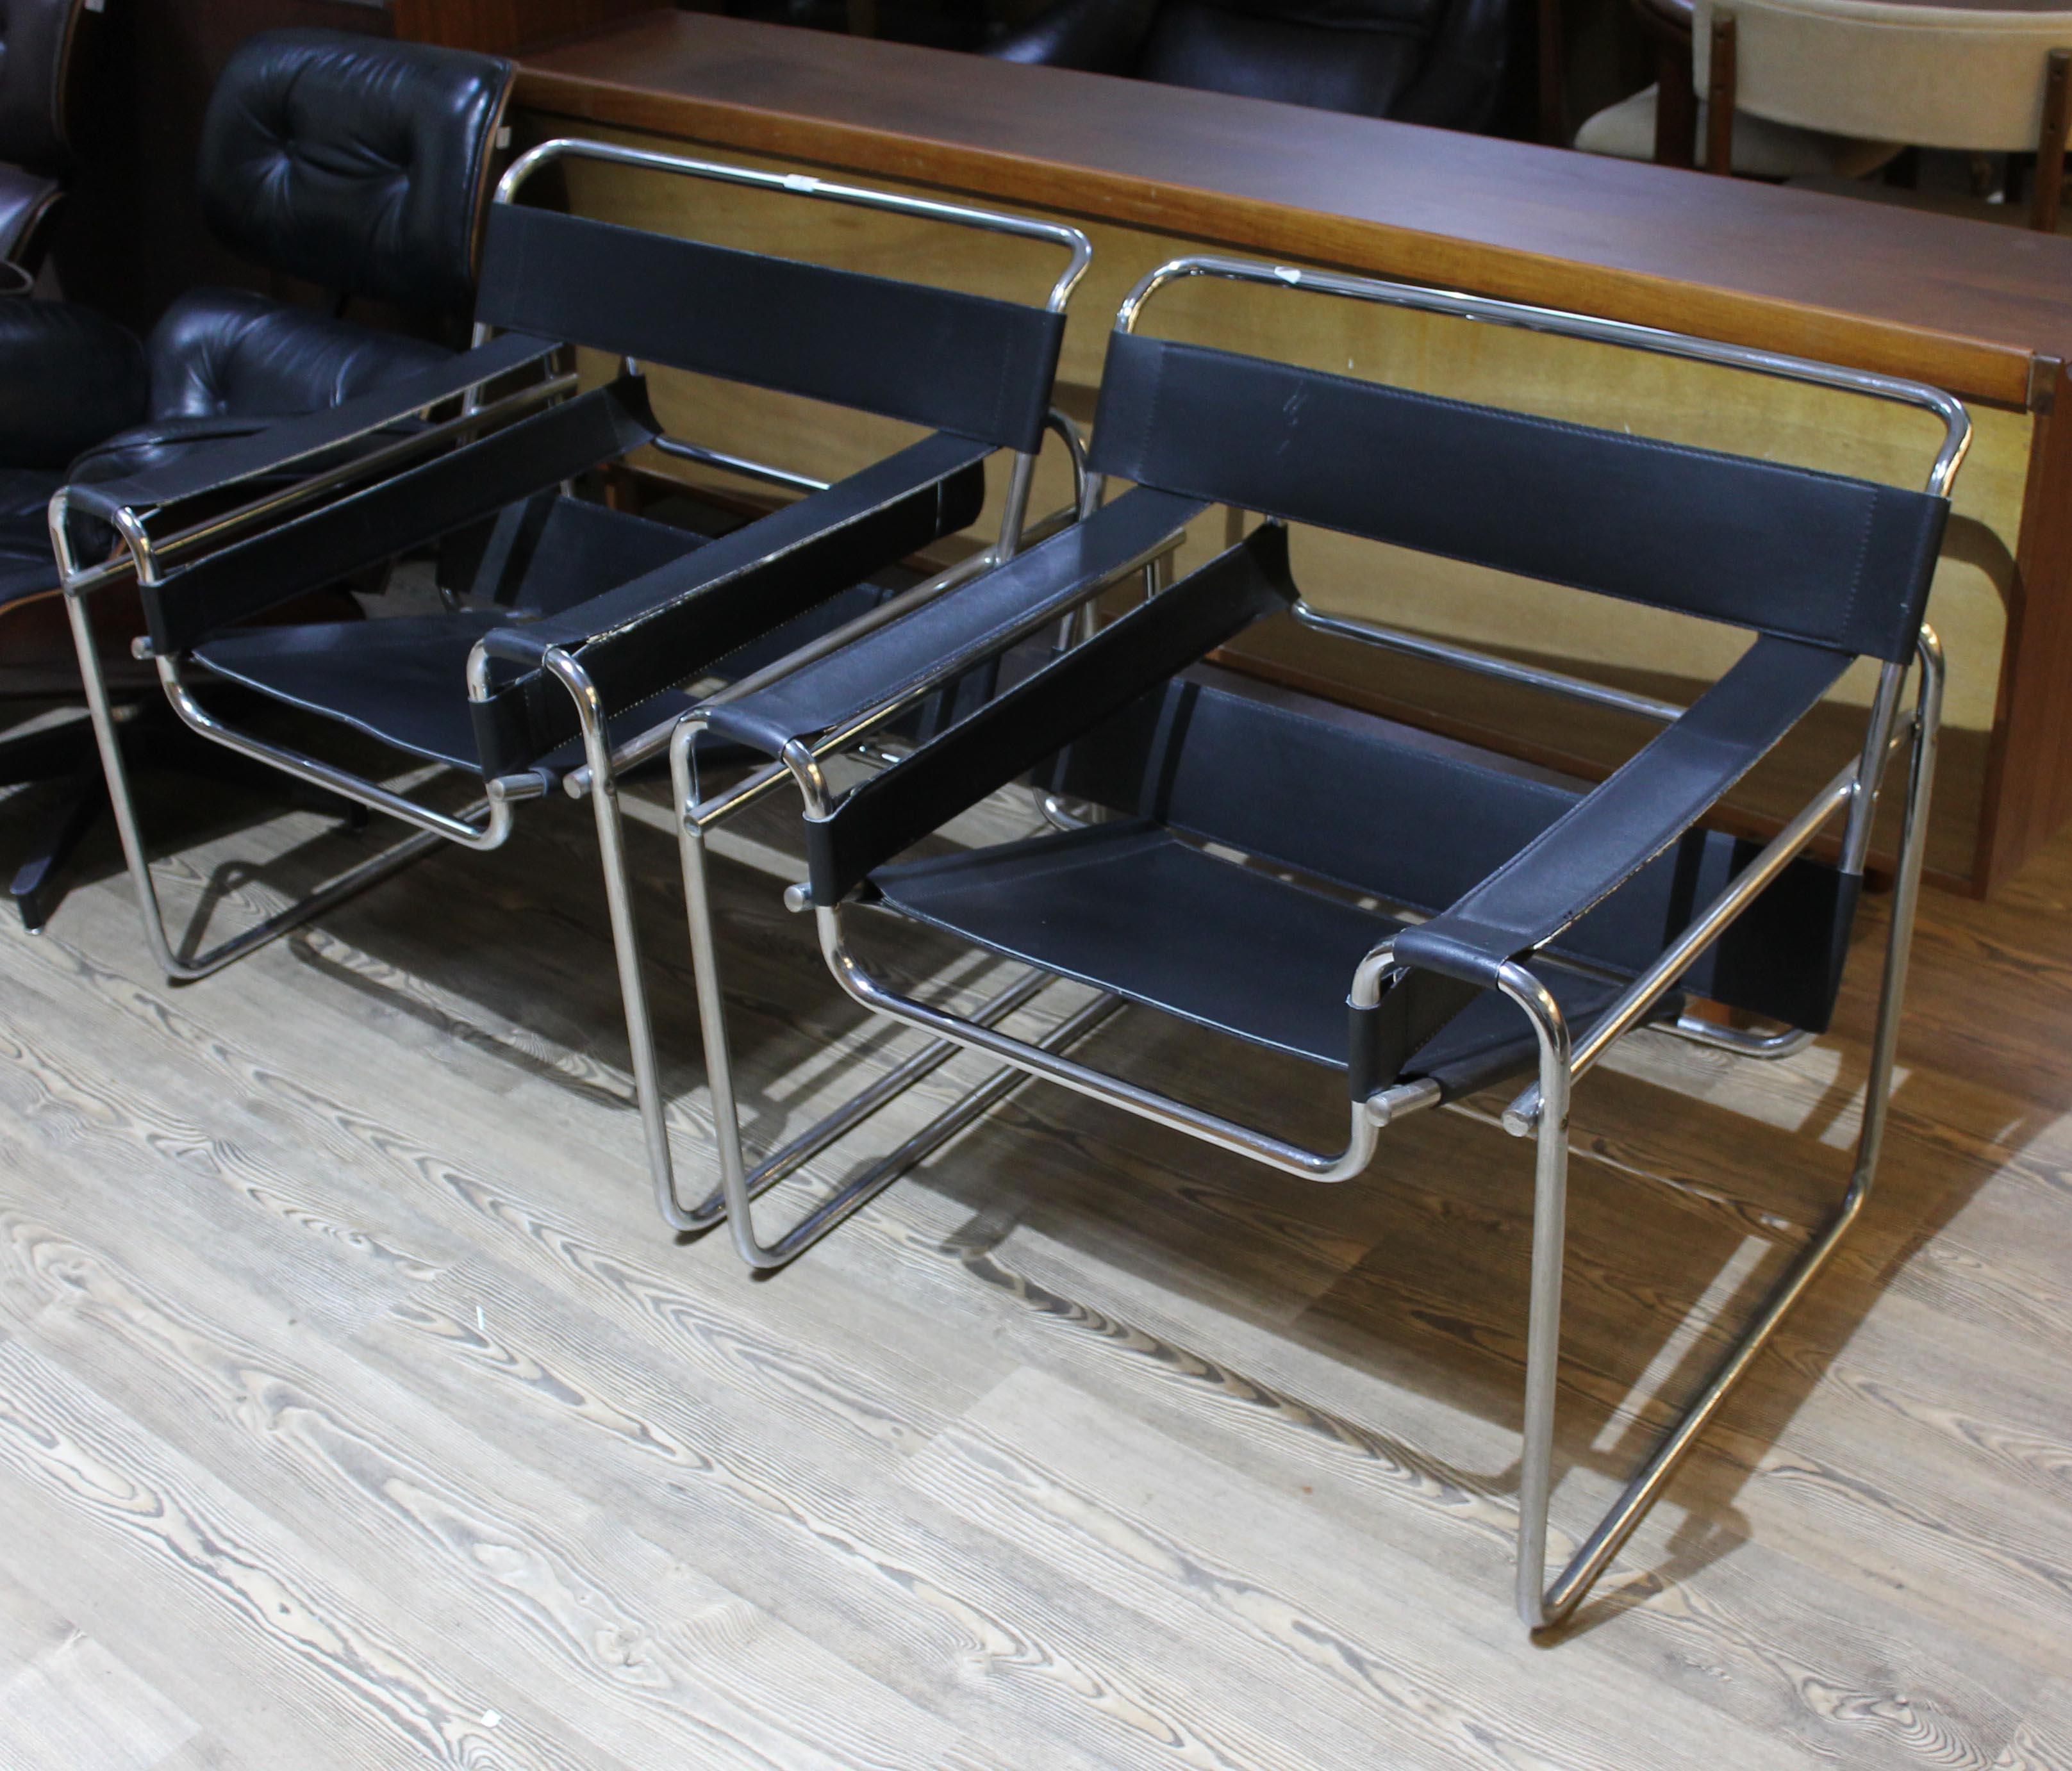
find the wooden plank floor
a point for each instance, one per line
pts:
(355, 1411)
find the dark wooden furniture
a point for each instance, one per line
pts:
(1985, 312)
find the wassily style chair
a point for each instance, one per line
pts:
(1526, 923)
(567, 665)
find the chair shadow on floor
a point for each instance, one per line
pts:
(1383, 1313)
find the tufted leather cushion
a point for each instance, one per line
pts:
(354, 163)
(35, 45)
(219, 352)
(68, 377)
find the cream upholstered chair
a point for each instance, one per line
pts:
(1829, 89)
(1765, 146)
(1934, 76)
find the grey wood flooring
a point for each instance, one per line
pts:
(355, 1411)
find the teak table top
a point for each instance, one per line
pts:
(1968, 305)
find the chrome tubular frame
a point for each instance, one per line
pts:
(1014, 511)
(603, 764)
(739, 1184)
(1544, 1604)
(1541, 1112)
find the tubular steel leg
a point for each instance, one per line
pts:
(1542, 1338)
(739, 1184)
(1542, 1610)
(839, 1206)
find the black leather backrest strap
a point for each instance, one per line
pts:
(354, 162)
(675, 622)
(407, 510)
(35, 48)
(1015, 731)
(966, 363)
(1816, 556)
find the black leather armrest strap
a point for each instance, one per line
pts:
(280, 446)
(1014, 731)
(1614, 832)
(961, 628)
(334, 540)
(676, 622)
(1585, 855)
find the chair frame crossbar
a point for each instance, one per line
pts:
(1541, 1112)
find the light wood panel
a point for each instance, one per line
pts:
(355, 1410)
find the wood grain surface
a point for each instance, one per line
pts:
(1962, 305)
(355, 1411)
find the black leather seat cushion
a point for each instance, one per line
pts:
(1129, 907)
(403, 680)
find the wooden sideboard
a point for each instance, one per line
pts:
(1151, 171)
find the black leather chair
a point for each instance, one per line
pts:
(37, 39)
(576, 632)
(1422, 919)
(1439, 62)
(357, 166)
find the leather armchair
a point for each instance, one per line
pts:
(36, 42)
(1439, 62)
